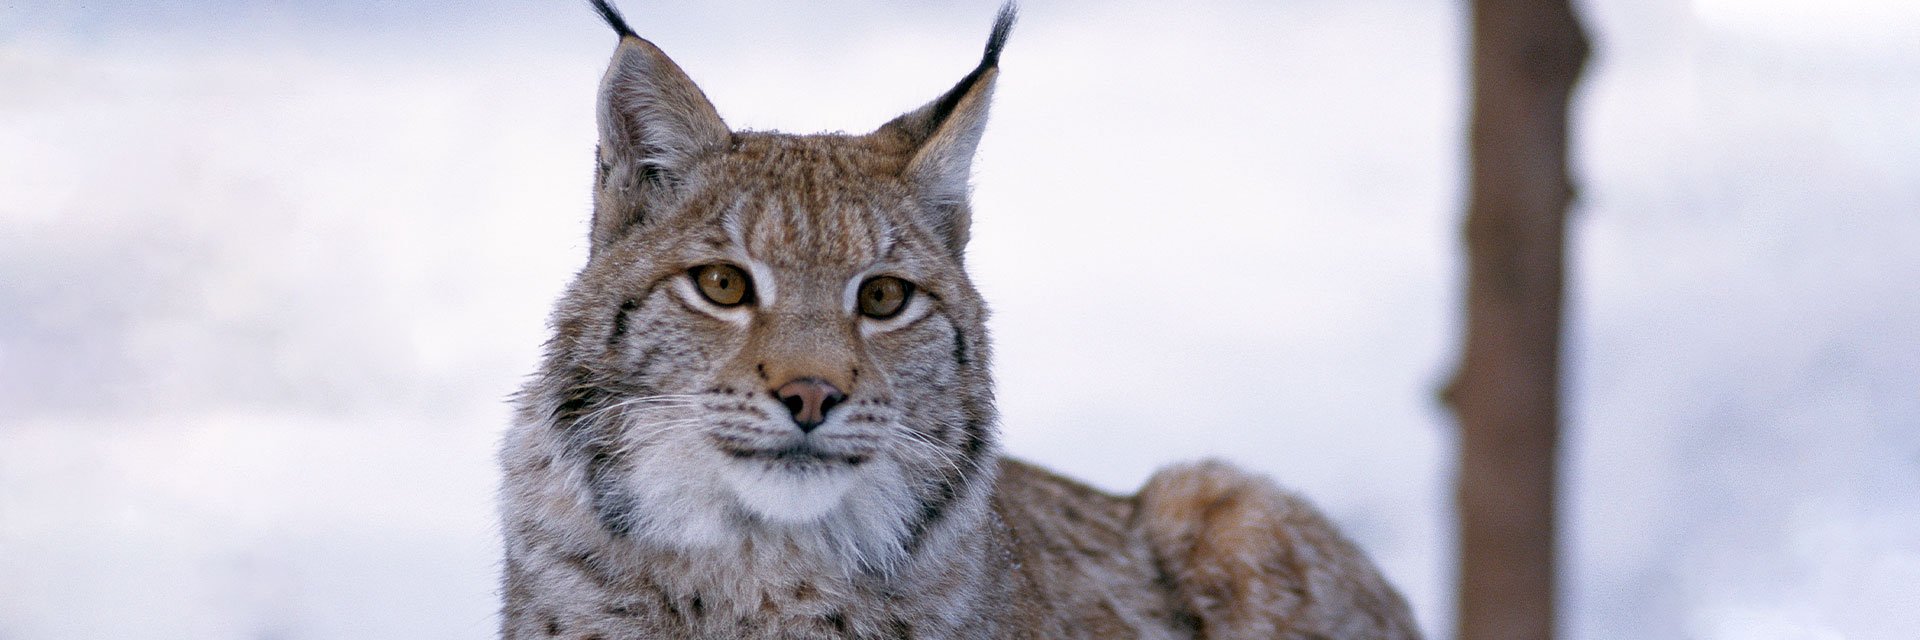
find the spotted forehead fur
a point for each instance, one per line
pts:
(812, 202)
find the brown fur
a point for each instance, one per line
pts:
(656, 487)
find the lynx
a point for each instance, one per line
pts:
(766, 412)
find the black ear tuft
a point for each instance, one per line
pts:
(619, 24)
(996, 40)
(1002, 26)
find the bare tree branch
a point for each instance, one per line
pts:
(1527, 56)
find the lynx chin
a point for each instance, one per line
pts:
(766, 412)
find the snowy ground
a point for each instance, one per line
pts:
(267, 272)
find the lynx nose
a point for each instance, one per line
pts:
(809, 399)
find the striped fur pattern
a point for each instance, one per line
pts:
(656, 486)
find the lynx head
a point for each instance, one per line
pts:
(773, 333)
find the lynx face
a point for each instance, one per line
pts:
(757, 287)
(773, 334)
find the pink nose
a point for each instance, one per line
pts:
(809, 399)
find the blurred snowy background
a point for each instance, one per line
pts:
(269, 268)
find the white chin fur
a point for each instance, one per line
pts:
(789, 496)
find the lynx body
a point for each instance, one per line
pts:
(766, 412)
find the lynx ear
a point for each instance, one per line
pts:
(941, 137)
(655, 124)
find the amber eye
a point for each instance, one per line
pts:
(723, 284)
(884, 297)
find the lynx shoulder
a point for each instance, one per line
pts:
(766, 412)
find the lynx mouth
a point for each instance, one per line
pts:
(793, 481)
(797, 455)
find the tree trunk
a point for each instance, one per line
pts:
(1527, 55)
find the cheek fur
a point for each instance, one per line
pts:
(670, 349)
(916, 358)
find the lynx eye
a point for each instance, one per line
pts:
(722, 284)
(884, 297)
